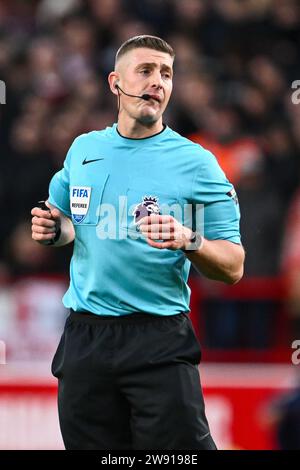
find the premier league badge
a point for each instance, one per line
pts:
(148, 206)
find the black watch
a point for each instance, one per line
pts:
(196, 242)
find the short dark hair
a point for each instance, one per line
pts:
(150, 42)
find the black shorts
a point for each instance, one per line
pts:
(130, 382)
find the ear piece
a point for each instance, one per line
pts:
(116, 85)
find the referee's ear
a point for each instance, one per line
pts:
(113, 80)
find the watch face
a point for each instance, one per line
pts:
(195, 243)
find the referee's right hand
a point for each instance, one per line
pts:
(44, 224)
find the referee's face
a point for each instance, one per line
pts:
(145, 71)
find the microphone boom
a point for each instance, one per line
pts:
(145, 97)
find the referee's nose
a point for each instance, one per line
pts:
(157, 80)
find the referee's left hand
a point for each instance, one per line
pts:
(174, 235)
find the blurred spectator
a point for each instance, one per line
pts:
(51, 11)
(283, 416)
(28, 168)
(26, 258)
(291, 264)
(282, 161)
(78, 40)
(288, 421)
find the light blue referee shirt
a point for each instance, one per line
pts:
(108, 183)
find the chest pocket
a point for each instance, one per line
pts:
(85, 201)
(144, 202)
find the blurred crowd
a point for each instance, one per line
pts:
(236, 61)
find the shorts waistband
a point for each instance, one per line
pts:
(139, 317)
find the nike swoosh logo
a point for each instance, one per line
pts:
(85, 161)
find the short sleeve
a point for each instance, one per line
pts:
(216, 197)
(59, 194)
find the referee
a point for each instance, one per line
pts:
(127, 362)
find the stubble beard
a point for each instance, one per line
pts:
(148, 119)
